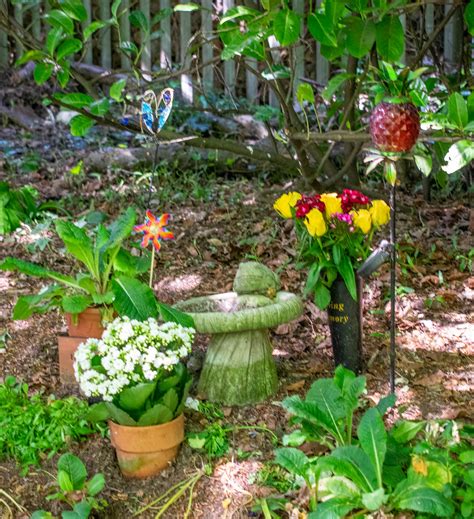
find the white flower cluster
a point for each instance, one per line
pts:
(130, 352)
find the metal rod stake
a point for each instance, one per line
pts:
(393, 280)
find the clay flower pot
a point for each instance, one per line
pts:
(145, 451)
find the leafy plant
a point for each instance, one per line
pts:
(32, 427)
(75, 490)
(17, 206)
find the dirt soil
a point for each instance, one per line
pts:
(214, 231)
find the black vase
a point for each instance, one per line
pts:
(345, 324)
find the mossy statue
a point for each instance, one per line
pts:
(239, 368)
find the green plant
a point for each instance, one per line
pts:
(75, 490)
(136, 368)
(32, 427)
(17, 206)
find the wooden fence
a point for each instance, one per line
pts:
(168, 45)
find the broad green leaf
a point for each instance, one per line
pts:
(42, 72)
(131, 265)
(186, 8)
(119, 415)
(100, 107)
(129, 47)
(374, 500)
(460, 154)
(321, 29)
(74, 468)
(75, 304)
(390, 38)
(237, 12)
(156, 415)
(116, 90)
(467, 456)
(373, 440)
(171, 400)
(75, 9)
(120, 229)
(294, 439)
(134, 398)
(424, 163)
(63, 74)
(64, 481)
(304, 93)
(334, 84)
(352, 462)
(360, 36)
(78, 244)
(404, 431)
(68, 47)
(32, 269)
(334, 10)
(184, 396)
(61, 20)
(322, 296)
(457, 110)
(77, 100)
(176, 378)
(408, 496)
(138, 19)
(31, 55)
(469, 17)
(291, 459)
(114, 7)
(346, 270)
(92, 28)
(168, 313)
(95, 485)
(133, 298)
(385, 403)
(333, 509)
(80, 125)
(98, 413)
(41, 514)
(39, 303)
(287, 27)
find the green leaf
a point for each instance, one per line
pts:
(60, 20)
(114, 7)
(390, 38)
(360, 36)
(374, 500)
(138, 19)
(119, 415)
(334, 84)
(63, 74)
(95, 485)
(346, 270)
(373, 440)
(467, 456)
(168, 313)
(460, 154)
(469, 17)
(424, 163)
(386, 403)
(80, 510)
(98, 413)
(120, 229)
(77, 100)
(186, 8)
(78, 244)
(404, 431)
(41, 514)
(134, 398)
(133, 298)
(129, 47)
(92, 28)
(457, 110)
(322, 296)
(171, 400)
(156, 415)
(305, 93)
(75, 304)
(68, 47)
(75, 9)
(291, 459)
(116, 90)
(64, 482)
(321, 29)
(334, 508)
(74, 468)
(408, 496)
(39, 303)
(80, 125)
(287, 27)
(240, 11)
(31, 55)
(42, 72)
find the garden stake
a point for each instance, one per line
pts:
(393, 280)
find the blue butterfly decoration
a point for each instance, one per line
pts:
(154, 120)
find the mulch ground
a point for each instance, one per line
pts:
(435, 359)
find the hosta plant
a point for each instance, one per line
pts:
(107, 277)
(137, 370)
(335, 233)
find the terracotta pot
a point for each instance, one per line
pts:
(87, 324)
(67, 347)
(145, 451)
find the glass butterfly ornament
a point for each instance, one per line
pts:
(154, 120)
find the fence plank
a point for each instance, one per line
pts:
(298, 65)
(251, 81)
(272, 98)
(229, 65)
(322, 64)
(88, 55)
(429, 18)
(18, 14)
(207, 50)
(403, 20)
(105, 36)
(3, 49)
(145, 58)
(36, 21)
(185, 36)
(125, 34)
(165, 43)
(453, 33)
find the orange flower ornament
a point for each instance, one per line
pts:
(154, 230)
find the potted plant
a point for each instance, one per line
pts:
(335, 233)
(137, 369)
(105, 286)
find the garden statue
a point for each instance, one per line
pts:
(239, 368)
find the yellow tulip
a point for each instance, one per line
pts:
(315, 223)
(285, 203)
(380, 212)
(332, 203)
(362, 220)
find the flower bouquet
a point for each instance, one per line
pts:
(136, 369)
(335, 234)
